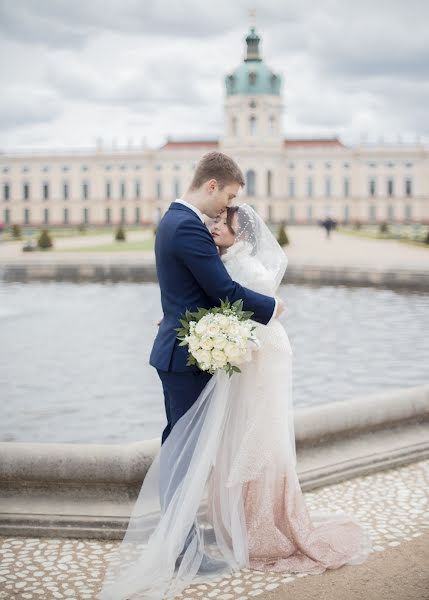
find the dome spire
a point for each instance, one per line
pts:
(252, 40)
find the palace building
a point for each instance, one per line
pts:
(297, 180)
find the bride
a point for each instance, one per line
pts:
(228, 467)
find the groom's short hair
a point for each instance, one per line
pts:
(219, 166)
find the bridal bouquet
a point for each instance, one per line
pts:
(218, 338)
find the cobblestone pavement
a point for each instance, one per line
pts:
(391, 505)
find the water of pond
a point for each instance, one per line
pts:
(74, 357)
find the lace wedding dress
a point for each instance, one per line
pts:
(230, 465)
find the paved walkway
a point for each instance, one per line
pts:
(308, 246)
(391, 505)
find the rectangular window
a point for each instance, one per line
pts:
(65, 191)
(123, 214)
(85, 190)
(66, 216)
(372, 186)
(26, 191)
(26, 216)
(310, 187)
(6, 192)
(86, 216)
(269, 183)
(328, 186)
(291, 187)
(408, 212)
(158, 189)
(390, 189)
(309, 212)
(390, 212)
(108, 216)
(137, 189)
(46, 216)
(408, 187)
(372, 213)
(346, 187)
(176, 189)
(122, 190)
(292, 213)
(6, 216)
(45, 191)
(137, 215)
(108, 190)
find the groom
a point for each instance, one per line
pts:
(191, 274)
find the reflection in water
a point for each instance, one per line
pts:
(74, 357)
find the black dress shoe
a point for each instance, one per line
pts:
(208, 564)
(211, 565)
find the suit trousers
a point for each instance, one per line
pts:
(181, 390)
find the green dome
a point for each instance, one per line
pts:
(253, 76)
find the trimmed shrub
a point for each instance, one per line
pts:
(120, 234)
(282, 236)
(16, 232)
(44, 240)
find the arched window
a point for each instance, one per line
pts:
(269, 183)
(252, 125)
(250, 182)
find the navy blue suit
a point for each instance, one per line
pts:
(191, 274)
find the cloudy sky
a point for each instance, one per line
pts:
(133, 71)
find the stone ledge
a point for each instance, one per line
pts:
(87, 490)
(132, 269)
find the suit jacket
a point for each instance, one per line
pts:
(191, 274)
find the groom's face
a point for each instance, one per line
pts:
(220, 199)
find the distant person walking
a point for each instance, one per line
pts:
(328, 224)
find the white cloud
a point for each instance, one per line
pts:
(74, 71)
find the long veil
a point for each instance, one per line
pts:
(229, 454)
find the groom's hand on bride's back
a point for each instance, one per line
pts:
(280, 307)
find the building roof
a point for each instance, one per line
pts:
(314, 142)
(179, 144)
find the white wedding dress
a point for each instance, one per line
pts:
(230, 463)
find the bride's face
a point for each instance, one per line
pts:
(221, 233)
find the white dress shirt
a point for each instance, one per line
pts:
(192, 207)
(200, 214)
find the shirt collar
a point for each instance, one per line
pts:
(192, 207)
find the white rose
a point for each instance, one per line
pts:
(219, 342)
(219, 357)
(231, 351)
(213, 329)
(234, 328)
(222, 320)
(204, 357)
(194, 344)
(244, 332)
(201, 327)
(206, 343)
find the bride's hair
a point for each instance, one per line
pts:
(247, 228)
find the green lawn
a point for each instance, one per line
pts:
(60, 232)
(407, 234)
(114, 246)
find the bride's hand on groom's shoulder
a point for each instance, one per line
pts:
(280, 307)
